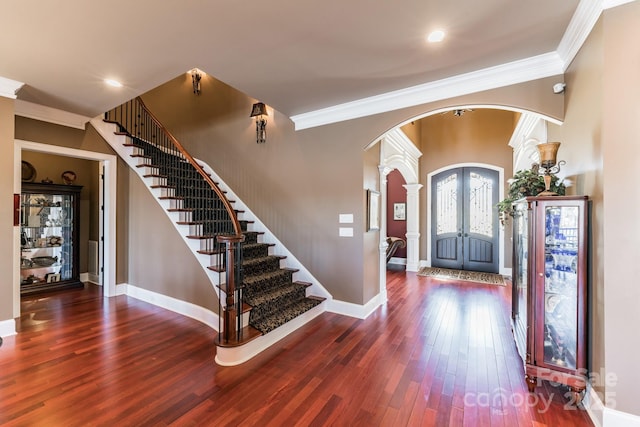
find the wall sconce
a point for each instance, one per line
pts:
(548, 152)
(259, 111)
(196, 76)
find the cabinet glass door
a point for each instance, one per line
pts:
(562, 226)
(46, 242)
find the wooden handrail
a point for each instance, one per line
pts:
(187, 156)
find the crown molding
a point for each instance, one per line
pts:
(9, 88)
(50, 115)
(581, 24)
(608, 4)
(537, 67)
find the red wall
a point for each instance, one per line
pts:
(396, 193)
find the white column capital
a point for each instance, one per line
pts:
(413, 188)
(384, 170)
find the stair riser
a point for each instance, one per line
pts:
(255, 251)
(263, 284)
(183, 216)
(270, 264)
(272, 307)
(269, 323)
(195, 230)
(157, 180)
(251, 237)
(175, 204)
(167, 192)
(149, 170)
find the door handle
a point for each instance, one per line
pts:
(459, 234)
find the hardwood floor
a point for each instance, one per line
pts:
(437, 354)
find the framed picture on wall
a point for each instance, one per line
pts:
(399, 211)
(373, 210)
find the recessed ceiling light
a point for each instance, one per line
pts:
(435, 36)
(113, 83)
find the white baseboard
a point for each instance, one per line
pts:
(399, 261)
(193, 311)
(355, 310)
(121, 289)
(91, 278)
(594, 406)
(7, 327)
(614, 418)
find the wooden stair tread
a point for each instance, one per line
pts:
(261, 259)
(249, 333)
(200, 237)
(305, 284)
(211, 252)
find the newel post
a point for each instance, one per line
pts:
(231, 322)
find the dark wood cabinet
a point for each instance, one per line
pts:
(49, 217)
(550, 289)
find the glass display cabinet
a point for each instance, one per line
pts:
(49, 217)
(549, 289)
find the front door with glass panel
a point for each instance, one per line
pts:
(464, 219)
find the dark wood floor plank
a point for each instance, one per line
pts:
(438, 353)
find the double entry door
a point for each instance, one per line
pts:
(464, 219)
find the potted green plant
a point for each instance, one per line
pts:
(527, 182)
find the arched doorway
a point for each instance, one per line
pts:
(526, 128)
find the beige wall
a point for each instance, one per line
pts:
(621, 151)
(299, 182)
(159, 260)
(10, 258)
(581, 147)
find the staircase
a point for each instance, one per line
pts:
(246, 276)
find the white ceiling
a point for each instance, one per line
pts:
(295, 56)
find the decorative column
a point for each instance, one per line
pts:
(413, 226)
(382, 275)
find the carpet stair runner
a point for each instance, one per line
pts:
(267, 288)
